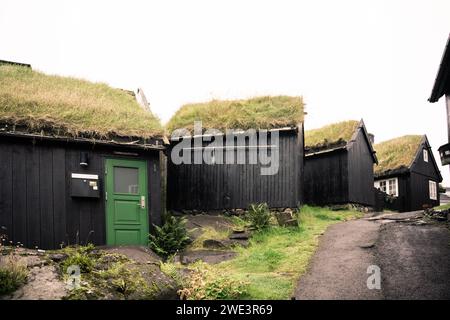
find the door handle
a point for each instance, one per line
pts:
(142, 202)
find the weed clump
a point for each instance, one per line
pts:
(259, 216)
(206, 283)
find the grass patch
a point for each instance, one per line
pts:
(208, 233)
(258, 113)
(208, 283)
(67, 106)
(443, 207)
(396, 153)
(278, 256)
(330, 134)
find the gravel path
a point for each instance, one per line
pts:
(338, 268)
(414, 260)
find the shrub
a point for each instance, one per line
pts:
(12, 276)
(169, 238)
(259, 216)
(206, 283)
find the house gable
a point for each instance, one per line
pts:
(361, 130)
(360, 168)
(427, 168)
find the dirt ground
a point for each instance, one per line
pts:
(413, 256)
(45, 283)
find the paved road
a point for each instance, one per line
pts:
(414, 260)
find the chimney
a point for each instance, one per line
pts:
(371, 138)
(142, 99)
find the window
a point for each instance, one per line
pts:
(126, 180)
(389, 186)
(425, 155)
(383, 185)
(433, 190)
(393, 187)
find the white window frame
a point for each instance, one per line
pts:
(432, 189)
(425, 155)
(387, 183)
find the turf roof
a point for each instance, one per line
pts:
(63, 106)
(266, 112)
(396, 153)
(330, 135)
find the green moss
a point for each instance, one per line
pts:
(113, 276)
(396, 153)
(67, 106)
(330, 134)
(258, 113)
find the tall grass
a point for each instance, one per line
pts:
(396, 153)
(69, 106)
(332, 133)
(257, 113)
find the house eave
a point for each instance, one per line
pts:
(319, 152)
(442, 82)
(233, 132)
(84, 141)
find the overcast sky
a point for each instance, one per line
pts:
(349, 59)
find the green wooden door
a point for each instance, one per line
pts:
(126, 202)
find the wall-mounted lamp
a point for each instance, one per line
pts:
(84, 159)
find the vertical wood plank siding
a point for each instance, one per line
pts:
(36, 207)
(326, 178)
(360, 172)
(236, 186)
(413, 185)
(341, 176)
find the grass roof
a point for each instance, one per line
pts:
(64, 106)
(331, 134)
(396, 153)
(266, 112)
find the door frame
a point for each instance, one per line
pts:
(109, 163)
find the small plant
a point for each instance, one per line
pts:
(206, 283)
(79, 256)
(170, 238)
(13, 274)
(259, 216)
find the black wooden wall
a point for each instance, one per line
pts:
(360, 171)
(420, 194)
(35, 203)
(413, 187)
(341, 176)
(326, 178)
(233, 186)
(421, 172)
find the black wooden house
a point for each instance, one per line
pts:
(235, 180)
(441, 88)
(339, 161)
(79, 162)
(408, 173)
